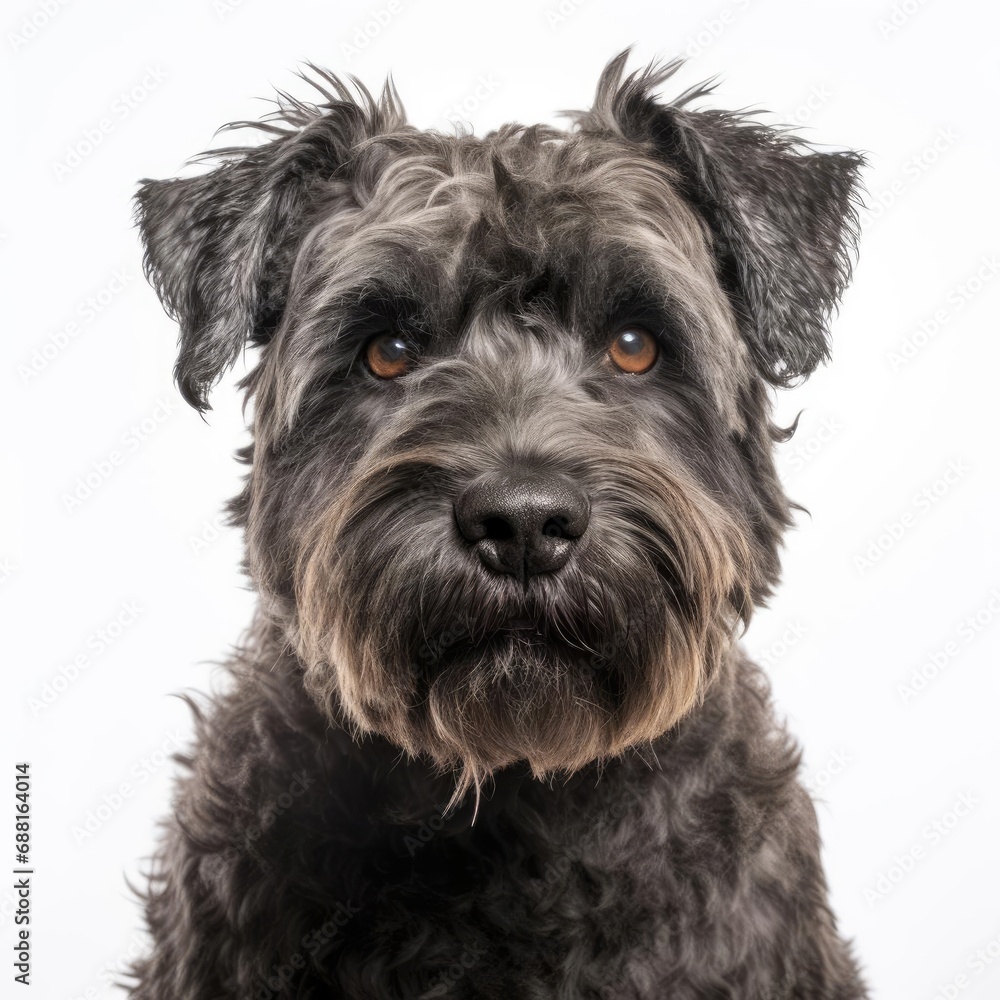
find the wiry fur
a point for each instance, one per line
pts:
(567, 785)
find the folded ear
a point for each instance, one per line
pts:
(219, 248)
(783, 218)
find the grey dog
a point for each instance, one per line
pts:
(510, 499)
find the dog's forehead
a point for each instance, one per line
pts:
(463, 216)
(538, 187)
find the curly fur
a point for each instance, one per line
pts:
(428, 778)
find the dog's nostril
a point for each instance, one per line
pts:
(523, 521)
(498, 528)
(555, 527)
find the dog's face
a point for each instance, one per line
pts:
(511, 491)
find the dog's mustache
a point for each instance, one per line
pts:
(400, 626)
(666, 513)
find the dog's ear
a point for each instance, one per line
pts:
(783, 217)
(219, 248)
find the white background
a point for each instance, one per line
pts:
(914, 85)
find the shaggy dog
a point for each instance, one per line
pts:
(510, 499)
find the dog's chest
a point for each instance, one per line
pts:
(607, 907)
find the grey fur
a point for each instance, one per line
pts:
(564, 784)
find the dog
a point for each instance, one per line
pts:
(510, 501)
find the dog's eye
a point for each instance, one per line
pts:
(633, 350)
(388, 355)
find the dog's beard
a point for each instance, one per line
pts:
(402, 630)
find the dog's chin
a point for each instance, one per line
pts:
(514, 696)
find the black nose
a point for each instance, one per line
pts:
(523, 522)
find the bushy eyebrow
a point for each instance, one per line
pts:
(357, 314)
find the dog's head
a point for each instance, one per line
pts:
(511, 491)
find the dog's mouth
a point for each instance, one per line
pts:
(521, 642)
(524, 629)
(467, 641)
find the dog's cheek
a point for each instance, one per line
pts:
(733, 464)
(297, 472)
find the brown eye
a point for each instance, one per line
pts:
(388, 356)
(633, 350)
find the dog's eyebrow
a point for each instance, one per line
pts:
(645, 304)
(632, 302)
(364, 311)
